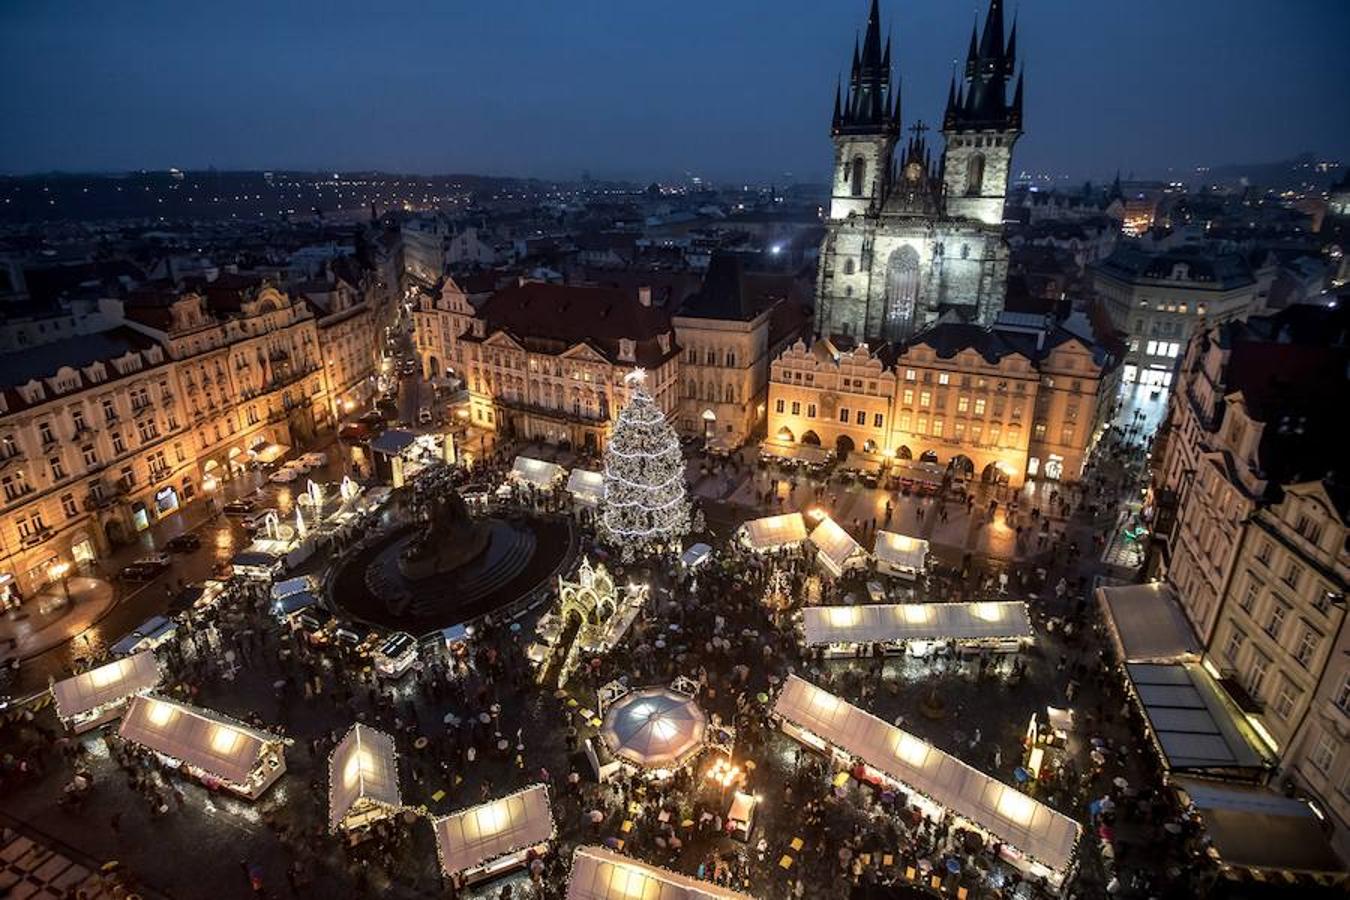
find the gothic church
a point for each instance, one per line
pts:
(908, 241)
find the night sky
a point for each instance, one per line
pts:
(727, 89)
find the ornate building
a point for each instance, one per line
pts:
(903, 243)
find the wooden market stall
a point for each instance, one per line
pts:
(1004, 626)
(490, 839)
(900, 555)
(774, 532)
(362, 779)
(836, 550)
(600, 874)
(100, 695)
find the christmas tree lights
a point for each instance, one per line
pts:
(646, 504)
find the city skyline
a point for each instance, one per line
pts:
(476, 91)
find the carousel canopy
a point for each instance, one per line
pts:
(600, 874)
(216, 744)
(362, 770)
(586, 485)
(1257, 828)
(480, 834)
(900, 550)
(1147, 624)
(773, 532)
(1193, 721)
(1010, 815)
(835, 545)
(108, 683)
(537, 472)
(883, 623)
(654, 728)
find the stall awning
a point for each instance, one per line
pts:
(807, 453)
(1194, 723)
(294, 603)
(392, 442)
(1147, 624)
(885, 623)
(362, 770)
(600, 874)
(105, 684)
(1256, 828)
(835, 545)
(538, 472)
(1035, 829)
(773, 532)
(269, 453)
(586, 485)
(283, 589)
(217, 745)
(901, 550)
(480, 834)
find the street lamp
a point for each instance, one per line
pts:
(57, 572)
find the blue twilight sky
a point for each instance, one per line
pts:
(728, 89)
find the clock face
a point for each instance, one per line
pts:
(912, 172)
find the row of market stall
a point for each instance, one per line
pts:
(1000, 626)
(1034, 837)
(587, 487)
(836, 551)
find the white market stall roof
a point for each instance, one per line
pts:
(105, 684)
(363, 770)
(480, 834)
(808, 453)
(1257, 828)
(1035, 829)
(1194, 724)
(773, 532)
(900, 550)
(269, 453)
(586, 485)
(600, 874)
(538, 472)
(882, 623)
(1147, 624)
(836, 544)
(216, 744)
(655, 728)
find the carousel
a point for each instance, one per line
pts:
(656, 730)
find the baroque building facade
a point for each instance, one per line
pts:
(1251, 521)
(908, 239)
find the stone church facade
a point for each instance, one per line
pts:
(909, 238)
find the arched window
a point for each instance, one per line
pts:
(848, 267)
(902, 292)
(974, 174)
(856, 178)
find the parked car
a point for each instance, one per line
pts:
(255, 521)
(239, 507)
(183, 543)
(283, 476)
(147, 567)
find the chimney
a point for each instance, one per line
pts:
(645, 295)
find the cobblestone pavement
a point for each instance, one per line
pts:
(190, 842)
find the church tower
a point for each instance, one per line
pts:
(981, 125)
(865, 127)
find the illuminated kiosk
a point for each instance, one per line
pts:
(773, 532)
(586, 487)
(600, 874)
(1036, 839)
(213, 749)
(489, 840)
(900, 555)
(655, 729)
(537, 473)
(836, 550)
(362, 779)
(592, 615)
(100, 695)
(1003, 626)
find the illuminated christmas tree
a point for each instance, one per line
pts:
(646, 505)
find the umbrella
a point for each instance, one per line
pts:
(515, 626)
(612, 842)
(1021, 774)
(596, 816)
(953, 865)
(484, 718)
(762, 697)
(420, 743)
(1120, 782)
(451, 719)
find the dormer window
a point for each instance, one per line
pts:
(626, 350)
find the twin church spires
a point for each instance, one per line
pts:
(980, 102)
(870, 106)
